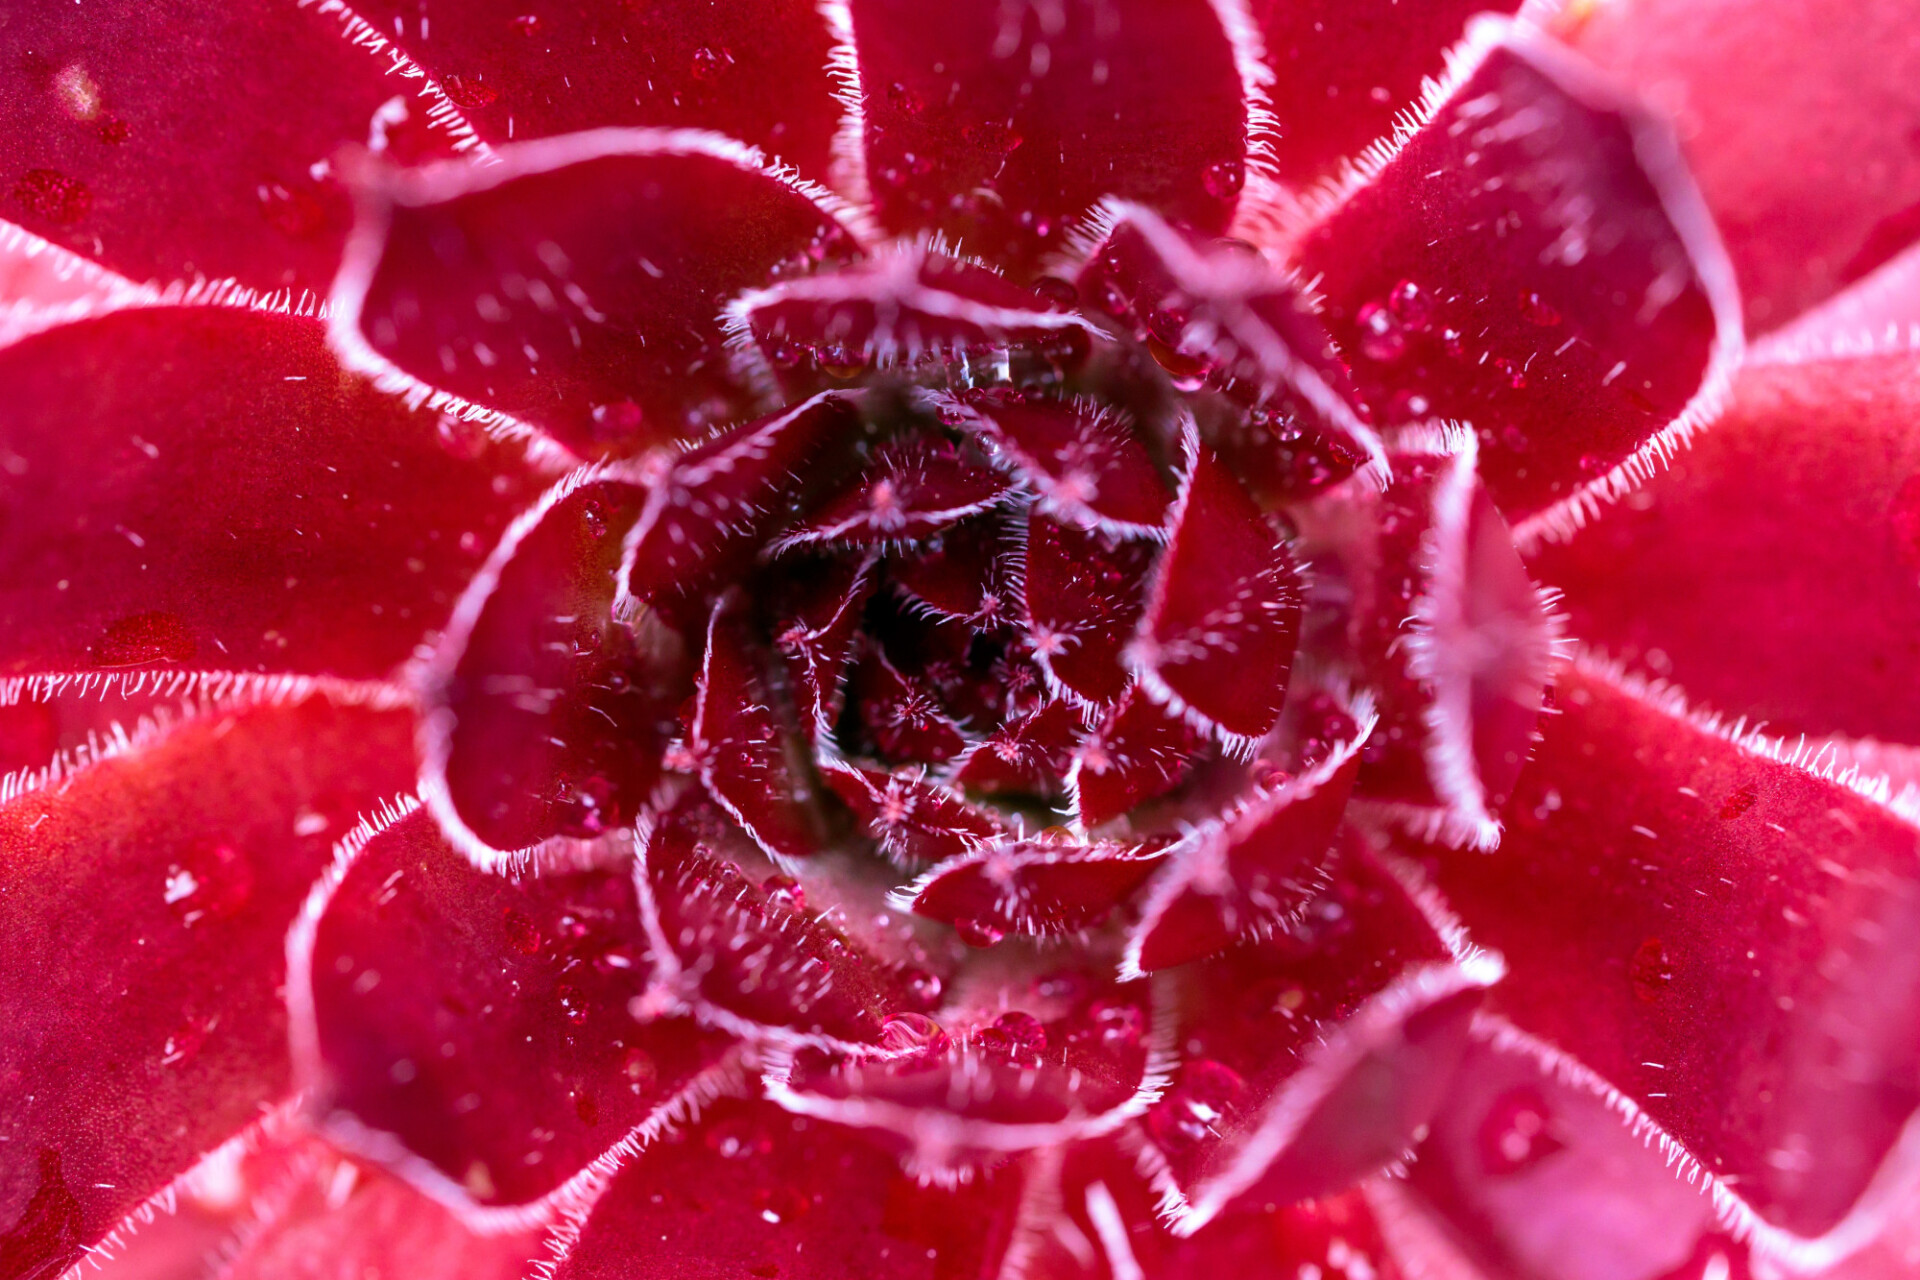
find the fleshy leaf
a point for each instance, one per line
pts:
(914, 820)
(577, 285)
(1797, 126)
(1251, 871)
(1445, 626)
(1085, 463)
(1772, 570)
(915, 486)
(751, 69)
(1138, 751)
(908, 309)
(967, 573)
(546, 717)
(1085, 591)
(473, 1033)
(1028, 755)
(1534, 260)
(1221, 316)
(174, 140)
(1223, 618)
(901, 718)
(142, 932)
(1000, 128)
(815, 634)
(708, 509)
(1036, 888)
(1315, 1057)
(750, 957)
(748, 756)
(1725, 938)
(326, 535)
(1055, 1067)
(757, 1192)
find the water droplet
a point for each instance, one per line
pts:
(1060, 294)
(736, 1138)
(573, 1002)
(213, 881)
(1119, 1024)
(616, 421)
(586, 808)
(522, 934)
(925, 989)
(470, 93)
(1407, 406)
(1516, 376)
(785, 893)
(709, 62)
(50, 194)
(1650, 971)
(641, 1071)
(1188, 371)
(843, 365)
(1204, 1095)
(1024, 1032)
(593, 516)
(1412, 305)
(1382, 337)
(527, 24)
(1223, 179)
(1538, 310)
(979, 933)
(145, 637)
(905, 1032)
(1516, 1133)
(1903, 522)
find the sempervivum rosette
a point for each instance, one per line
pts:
(1069, 685)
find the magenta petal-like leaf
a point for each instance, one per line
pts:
(1030, 754)
(968, 572)
(1138, 751)
(914, 820)
(913, 487)
(1773, 569)
(815, 633)
(1085, 591)
(1535, 261)
(1033, 887)
(1087, 467)
(1798, 126)
(747, 754)
(756, 1192)
(752, 69)
(747, 954)
(1722, 935)
(1251, 871)
(141, 951)
(1223, 619)
(576, 286)
(544, 715)
(480, 1036)
(1315, 1058)
(176, 140)
(899, 717)
(203, 490)
(1001, 127)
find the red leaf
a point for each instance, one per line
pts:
(1040, 116)
(751, 69)
(1446, 628)
(914, 487)
(1520, 1161)
(1216, 644)
(1723, 938)
(1085, 590)
(1036, 888)
(914, 820)
(756, 1192)
(708, 509)
(1797, 126)
(1085, 463)
(1534, 260)
(902, 719)
(908, 309)
(1343, 69)
(142, 928)
(1772, 571)
(1220, 316)
(1250, 871)
(180, 141)
(1052, 1069)
(967, 573)
(1028, 755)
(578, 285)
(749, 758)
(545, 717)
(479, 1036)
(816, 635)
(1138, 752)
(327, 532)
(750, 957)
(1315, 1058)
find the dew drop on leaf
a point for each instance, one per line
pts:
(1192, 1110)
(1382, 336)
(1650, 971)
(1516, 1133)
